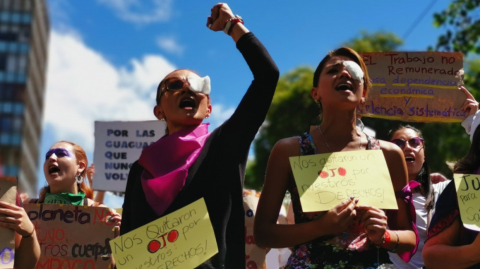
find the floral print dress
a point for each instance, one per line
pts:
(351, 249)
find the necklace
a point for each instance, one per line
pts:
(328, 146)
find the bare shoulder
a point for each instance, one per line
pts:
(391, 150)
(287, 147)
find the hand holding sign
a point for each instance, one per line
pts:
(374, 221)
(342, 215)
(16, 219)
(471, 105)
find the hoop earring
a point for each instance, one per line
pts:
(79, 179)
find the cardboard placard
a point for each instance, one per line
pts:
(415, 86)
(8, 193)
(324, 180)
(71, 236)
(468, 195)
(182, 239)
(118, 145)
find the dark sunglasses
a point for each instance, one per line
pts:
(59, 152)
(196, 85)
(415, 142)
(174, 84)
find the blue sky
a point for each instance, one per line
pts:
(106, 57)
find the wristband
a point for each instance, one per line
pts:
(386, 239)
(398, 243)
(230, 23)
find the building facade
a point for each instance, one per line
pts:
(24, 32)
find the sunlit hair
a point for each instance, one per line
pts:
(471, 162)
(423, 177)
(80, 155)
(347, 52)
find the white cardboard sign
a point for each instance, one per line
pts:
(118, 145)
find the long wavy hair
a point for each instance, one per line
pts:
(423, 177)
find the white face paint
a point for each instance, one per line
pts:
(199, 85)
(355, 70)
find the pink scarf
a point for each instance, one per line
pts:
(166, 164)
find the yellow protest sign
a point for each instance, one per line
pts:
(468, 195)
(8, 192)
(414, 86)
(323, 180)
(182, 239)
(71, 236)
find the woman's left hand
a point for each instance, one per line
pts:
(117, 218)
(471, 105)
(374, 221)
(16, 219)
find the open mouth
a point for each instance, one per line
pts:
(344, 87)
(409, 159)
(53, 169)
(188, 103)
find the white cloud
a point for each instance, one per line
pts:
(145, 75)
(219, 115)
(141, 11)
(82, 86)
(170, 44)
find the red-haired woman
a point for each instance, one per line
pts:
(65, 170)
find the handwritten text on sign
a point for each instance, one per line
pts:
(8, 192)
(70, 236)
(468, 195)
(415, 86)
(117, 145)
(182, 239)
(323, 180)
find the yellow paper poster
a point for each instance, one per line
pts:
(324, 180)
(182, 239)
(468, 195)
(415, 86)
(8, 192)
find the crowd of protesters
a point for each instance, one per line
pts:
(190, 162)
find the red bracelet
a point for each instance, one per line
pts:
(386, 239)
(227, 28)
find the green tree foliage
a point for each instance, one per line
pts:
(461, 22)
(293, 111)
(372, 42)
(462, 25)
